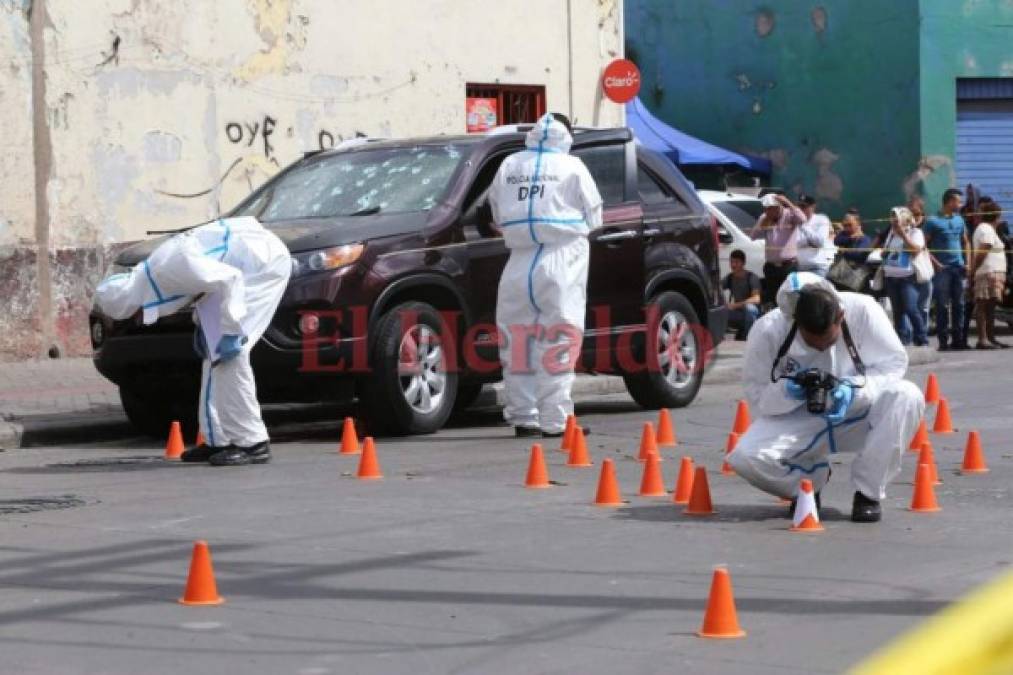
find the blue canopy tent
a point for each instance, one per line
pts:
(684, 149)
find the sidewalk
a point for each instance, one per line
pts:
(67, 401)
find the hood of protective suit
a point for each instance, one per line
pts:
(787, 295)
(550, 134)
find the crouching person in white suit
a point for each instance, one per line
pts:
(235, 272)
(869, 410)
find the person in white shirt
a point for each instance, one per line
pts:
(987, 271)
(903, 244)
(816, 248)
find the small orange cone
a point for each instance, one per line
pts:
(666, 431)
(648, 442)
(721, 620)
(932, 389)
(974, 458)
(578, 453)
(349, 440)
(538, 475)
(943, 425)
(567, 443)
(700, 496)
(806, 517)
(369, 467)
(741, 418)
(921, 436)
(200, 582)
(684, 484)
(927, 456)
(652, 484)
(174, 446)
(924, 498)
(608, 486)
(200, 439)
(726, 468)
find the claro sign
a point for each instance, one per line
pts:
(621, 81)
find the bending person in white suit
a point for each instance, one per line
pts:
(870, 410)
(236, 273)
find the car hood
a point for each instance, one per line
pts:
(311, 234)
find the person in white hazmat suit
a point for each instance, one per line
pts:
(870, 409)
(236, 272)
(545, 202)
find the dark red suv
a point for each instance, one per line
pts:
(393, 291)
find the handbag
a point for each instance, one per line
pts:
(848, 275)
(923, 267)
(877, 282)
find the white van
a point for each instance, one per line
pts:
(736, 216)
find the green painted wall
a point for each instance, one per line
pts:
(828, 89)
(959, 38)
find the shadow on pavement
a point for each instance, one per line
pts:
(723, 513)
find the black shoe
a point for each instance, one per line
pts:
(201, 453)
(943, 347)
(865, 510)
(959, 347)
(527, 432)
(1000, 345)
(559, 434)
(257, 454)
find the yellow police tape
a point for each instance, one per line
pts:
(972, 637)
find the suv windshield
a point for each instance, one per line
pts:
(384, 180)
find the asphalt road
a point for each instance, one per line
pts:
(450, 565)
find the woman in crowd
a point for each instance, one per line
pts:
(917, 207)
(987, 271)
(903, 242)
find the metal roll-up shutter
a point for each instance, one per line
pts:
(985, 138)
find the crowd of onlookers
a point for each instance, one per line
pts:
(958, 257)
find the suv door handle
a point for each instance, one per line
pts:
(652, 232)
(619, 235)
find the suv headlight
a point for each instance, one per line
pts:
(326, 259)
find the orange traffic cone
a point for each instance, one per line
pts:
(566, 445)
(200, 439)
(927, 456)
(943, 425)
(652, 484)
(721, 620)
(666, 431)
(369, 467)
(932, 389)
(174, 446)
(807, 516)
(608, 486)
(684, 484)
(578, 453)
(700, 497)
(726, 468)
(741, 418)
(349, 440)
(924, 498)
(648, 442)
(921, 436)
(538, 475)
(200, 582)
(974, 458)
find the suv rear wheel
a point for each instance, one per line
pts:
(674, 371)
(152, 413)
(411, 390)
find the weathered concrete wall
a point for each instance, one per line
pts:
(157, 115)
(970, 38)
(827, 89)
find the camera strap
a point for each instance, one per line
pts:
(790, 338)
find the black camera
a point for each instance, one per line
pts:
(816, 384)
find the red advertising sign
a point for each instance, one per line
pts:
(481, 114)
(621, 81)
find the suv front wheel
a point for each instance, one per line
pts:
(411, 389)
(674, 355)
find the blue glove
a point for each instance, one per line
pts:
(840, 400)
(794, 390)
(229, 347)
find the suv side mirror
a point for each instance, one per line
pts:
(724, 236)
(480, 217)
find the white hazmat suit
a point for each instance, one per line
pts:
(241, 270)
(786, 443)
(545, 202)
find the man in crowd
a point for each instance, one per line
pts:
(870, 409)
(816, 248)
(946, 239)
(744, 286)
(777, 227)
